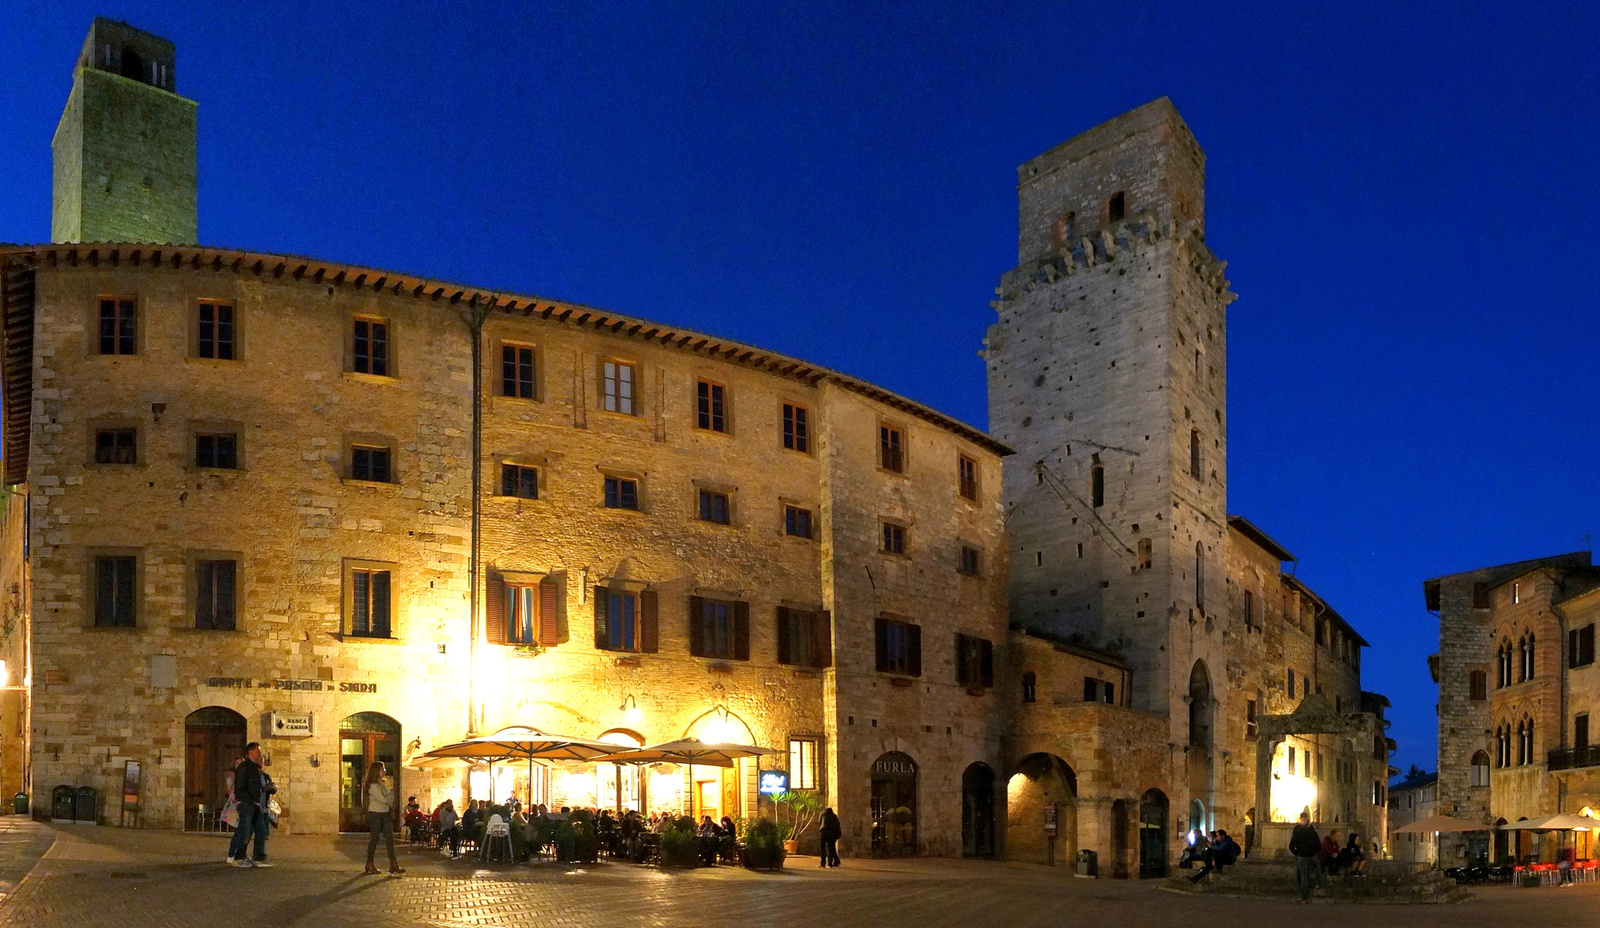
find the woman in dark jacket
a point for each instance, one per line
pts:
(831, 833)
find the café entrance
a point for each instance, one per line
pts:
(363, 738)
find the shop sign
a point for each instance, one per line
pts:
(304, 686)
(288, 724)
(895, 764)
(773, 782)
(1050, 819)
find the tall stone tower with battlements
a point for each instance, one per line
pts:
(1107, 373)
(125, 150)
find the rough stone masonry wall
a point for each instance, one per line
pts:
(1465, 725)
(15, 589)
(125, 163)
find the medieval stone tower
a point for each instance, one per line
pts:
(125, 150)
(1107, 373)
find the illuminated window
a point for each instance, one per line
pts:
(804, 764)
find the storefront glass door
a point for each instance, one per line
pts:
(364, 738)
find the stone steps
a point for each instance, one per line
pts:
(1386, 882)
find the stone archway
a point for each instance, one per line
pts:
(1153, 817)
(365, 738)
(213, 738)
(1042, 789)
(894, 805)
(977, 811)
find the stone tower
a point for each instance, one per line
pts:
(1107, 373)
(125, 151)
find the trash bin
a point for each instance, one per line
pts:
(1088, 863)
(86, 809)
(19, 804)
(61, 802)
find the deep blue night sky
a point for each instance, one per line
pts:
(1406, 201)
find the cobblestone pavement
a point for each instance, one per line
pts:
(110, 878)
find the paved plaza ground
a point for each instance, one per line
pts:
(115, 877)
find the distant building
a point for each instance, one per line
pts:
(1413, 799)
(1517, 686)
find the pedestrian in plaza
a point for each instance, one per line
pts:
(1352, 859)
(1329, 853)
(1304, 845)
(380, 816)
(250, 792)
(1222, 852)
(831, 831)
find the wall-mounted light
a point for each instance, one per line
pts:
(157, 410)
(630, 710)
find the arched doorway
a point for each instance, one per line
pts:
(1200, 705)
(1042, 793)
(363, 738)
(621, 785)
(1197, 820)
(1153, 834)
(719, 791)
(977, 811)
(894, 805)
(213, 738)
(1502, 841)
(1119, 839)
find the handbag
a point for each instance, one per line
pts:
(230, 814)
(274, 808)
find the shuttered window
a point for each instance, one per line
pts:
(899, 647)
(216, 593)
(974, 661)
(805, 637)
(522, 613)
(625, 621)
(719, 629)
(115, 591)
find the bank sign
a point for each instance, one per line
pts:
(289, 724)
(773, 782)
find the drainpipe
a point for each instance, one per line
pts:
(477, 314)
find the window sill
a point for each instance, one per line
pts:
(632, 661)
(139, 467)
(359, 377)
(898, 555)
(632, 513)
(977, 690)
(214, 471)
(892, 472)
(196, 630)
(114, 628)
(367, 639)
(723, 433)
(811, 539)
(537, 500)
(625, 416)
(375, 484)
(713, 523)
(903, 682)
(212, 362)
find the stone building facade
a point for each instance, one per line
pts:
(1107, 374)
(1411, 800)
(355, 514)
(1517, 684)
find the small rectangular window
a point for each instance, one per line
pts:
(974, 661)
(1097, 486)
(797, 522)
(711, 405)
(1117, 207)
(1480, 595)
(522, 613)
(625, 621)
(116, 590)
(1196, 454)
(519, 480)
(1146, 554)
(1580, 646)
(370, 462)
(368, 608)
(1291, 682)
(1249, 609)
(891, 449)
(617, 388)
(894, 539)
(370, 347)
(216, 449)
(516, 371)
(116, 446)
(1580, 731)
(803, 763)
(796, 430)
(216, 594)
(1250, 725)
(805, 638)
(215, 335)
(621, 493)
(1478, 685)
(970, 560)
(967, 476)
(713, 507)
(119, 326)
(1291, 760)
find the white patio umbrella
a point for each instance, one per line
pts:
(690, 751)
(519, 742)
(1442, 824)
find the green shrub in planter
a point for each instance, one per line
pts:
(565, 839)
(680, 846)
(586, 838)
(763, 845)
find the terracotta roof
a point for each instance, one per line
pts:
(18, 260)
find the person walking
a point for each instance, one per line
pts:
(250, 792)
(830, 832)
(380, 816)
(1304, 845)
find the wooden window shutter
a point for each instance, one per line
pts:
(741, 631)
(549, 613)
(881, 634)
(986, 663)
(784, 652)
(914, 646)
(648, 631)
(822, 650)
(963, 677)
(601, 599)
(494, 607)
(697, 611)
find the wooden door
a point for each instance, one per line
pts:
(212, 739)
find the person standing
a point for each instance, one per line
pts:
(380, 816)
(830, 832)
(250, 792)
(1304, 845)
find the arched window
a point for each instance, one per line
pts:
(1502, 745)
(1030, 687)
(1200, 576)
(1527, 660)
(1480, 769)
(1505, 663)
(1527, 737)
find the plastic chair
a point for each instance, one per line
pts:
(497, 838)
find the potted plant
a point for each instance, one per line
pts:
(586, 838)
(764, 847)
(797, 813)
(680, 846)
